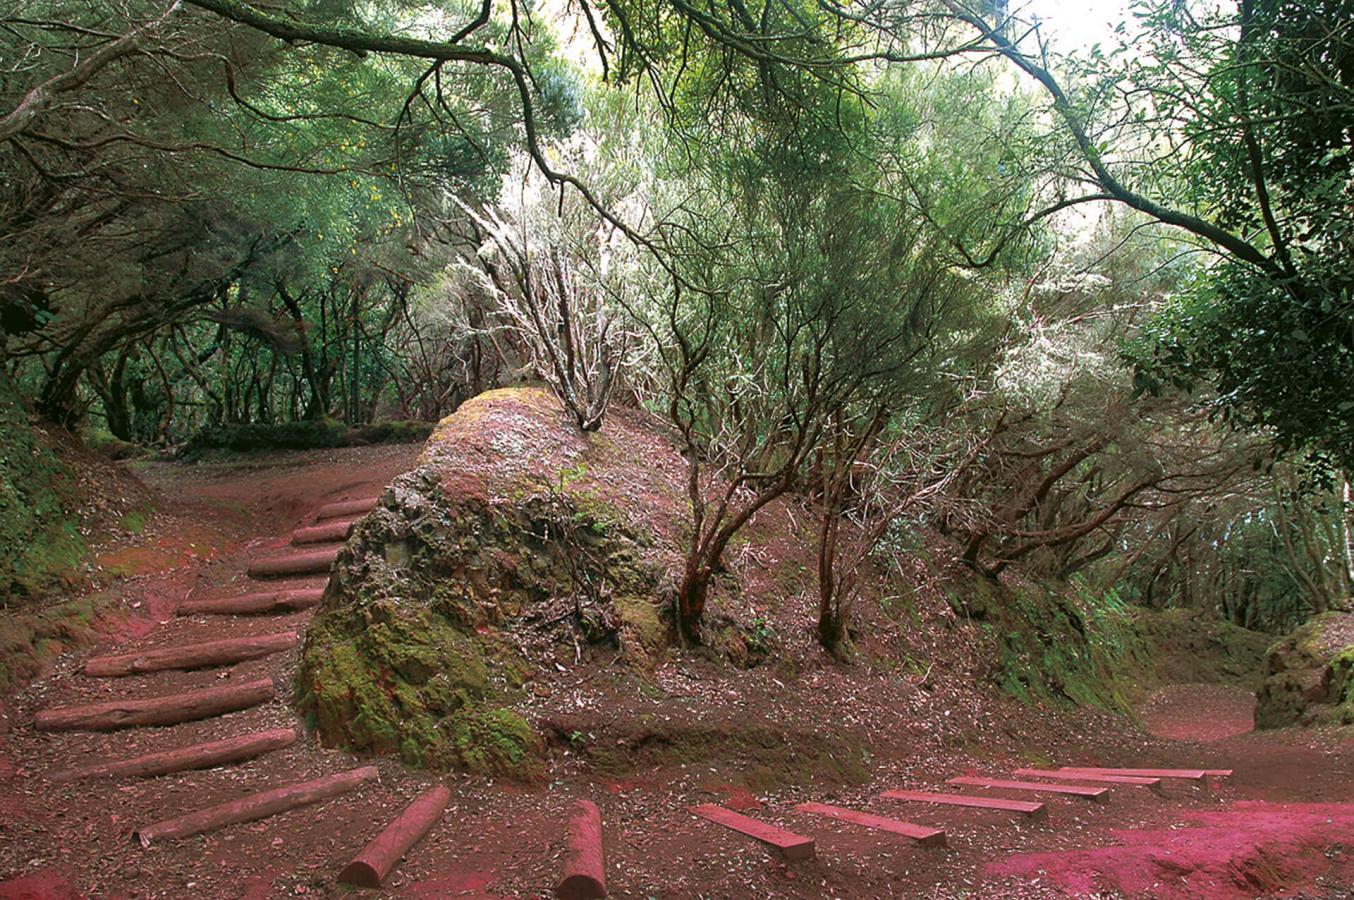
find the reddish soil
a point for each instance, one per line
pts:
(1283, 822)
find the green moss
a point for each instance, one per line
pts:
(134, 520)
(498, 742)
(643, 631)
(1055, 643)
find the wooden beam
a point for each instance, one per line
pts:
(927, 837)
(1024, 807)
(370, 867)
(255, 806)
(190, 656)
(791, 846)
(196, 756)
(167, 710)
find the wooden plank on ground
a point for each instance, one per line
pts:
(1071, 790)
(1090, 776)
(343, 508)
(922, 834)
(1024, 807)
(583, 875)
(167, 710)
(790, 845)
(325, 532)
(195, 756)
(1187, 774)
(190, 656)
(313, 563)
(370, 867)
(255, 806)
(248, 604)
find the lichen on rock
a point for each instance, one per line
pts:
(513, 527)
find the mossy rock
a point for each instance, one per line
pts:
(510, 516)
(1310, 675)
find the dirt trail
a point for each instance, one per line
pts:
(1285, 818)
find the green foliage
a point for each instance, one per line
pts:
(1271, 335)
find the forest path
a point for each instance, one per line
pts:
(1271, 824)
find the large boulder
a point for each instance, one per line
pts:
(1309, 675)
(515, 534)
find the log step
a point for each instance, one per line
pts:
(927, 837)
(1071, 790)
(345, 508)
(1218, 773)
(248, 604)
(190, 656)
(370, 867)
(255, 806)
(1187, 774)
(791, 846)
(196, 756)
(168, 710)
(316, 562)
(1090, 776)
(1024, 807)
(324, 533)
(583, 875)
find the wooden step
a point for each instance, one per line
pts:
(195, 756)
(249, 604)
(190, 656)
(791, 846)
(167, 710)
(255, 806)
(1071, 790)
(370, 867)
(327, 532)
(1187, 774)
(316, 562)
(583, 874)
(1024, 807)
(927, 837)
(346, 508)
(1218, 773)
(1091, 776)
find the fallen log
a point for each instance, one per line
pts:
(315, 562)
(584, 873)
(346, 508)
(168, 710)
(255, 806)
(370, 867)
(197, 756)
(323, 533)
(264, 602)
(190, 656)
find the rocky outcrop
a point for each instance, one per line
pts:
(1309, 675)
(514, 534)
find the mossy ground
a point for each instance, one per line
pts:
(30, 640)
(40, 542)
(764, 757)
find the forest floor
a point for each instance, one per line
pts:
(1283, 823)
